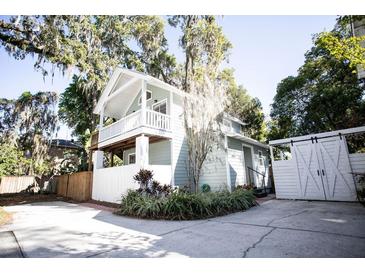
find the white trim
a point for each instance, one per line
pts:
(109, 86)
(246, 139)
(118, 71)
(234, 119)
(171, 99)
(260, 158)
(228, 175)
(319, 135)
(140, 98)
(229, 127)
(119, 90)
(158, 103)
(252, 160)
(129, 154)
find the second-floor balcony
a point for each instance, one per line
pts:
(154, 122)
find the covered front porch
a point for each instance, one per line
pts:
(115, 165)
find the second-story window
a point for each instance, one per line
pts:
(161, 107)
(227, 124)
(148, 97)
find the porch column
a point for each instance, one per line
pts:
(98, 159)
(142, 147)
(143, 102)
(101, 117)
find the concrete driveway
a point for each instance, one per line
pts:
(275, 229)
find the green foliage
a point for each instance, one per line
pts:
(204, 44)
(12, 161)
(28, 123)
(92, 46)
(186, 206)
(76, 109)
(149, 186)
(244, 107)
(325, 95)
(341, 43)
(344, 49)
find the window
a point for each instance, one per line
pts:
(131, 158)
(161, 107)
(148, 97)
(261, 158)
(227, 124)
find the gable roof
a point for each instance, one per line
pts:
(246, 139)
(122, 76)
(234, 119)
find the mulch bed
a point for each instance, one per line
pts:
(26, 198)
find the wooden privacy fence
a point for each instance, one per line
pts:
(76, 186)
(16, 184)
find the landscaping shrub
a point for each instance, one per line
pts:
(185, 206)
(148, 186)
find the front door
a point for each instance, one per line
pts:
(236, 167)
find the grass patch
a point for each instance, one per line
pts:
(185, 206)
(5, 217)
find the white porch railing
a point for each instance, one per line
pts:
(153, 119)
(157, 120)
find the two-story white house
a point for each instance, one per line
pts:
(148, 132)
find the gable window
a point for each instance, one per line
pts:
(160, 107)
(131, 158)
(261, 158)
(227, 124)
(148, 97)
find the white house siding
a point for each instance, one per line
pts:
(126, 153)
(160, 153)
(158, 95)
(238, 145)
(237, 169)
(180, 149)
(214, 171)
(357, 161)
(286, 176)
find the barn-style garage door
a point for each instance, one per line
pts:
(319, 168)
(324, 171)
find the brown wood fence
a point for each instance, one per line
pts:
(16, 184)
(77, 186)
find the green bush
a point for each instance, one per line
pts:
(185, 206)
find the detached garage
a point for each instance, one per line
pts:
(317, 167)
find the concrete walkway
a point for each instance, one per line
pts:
(274, 229)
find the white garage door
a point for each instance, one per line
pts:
(319, 169)
(324, 171)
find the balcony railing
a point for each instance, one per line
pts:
(153, 119)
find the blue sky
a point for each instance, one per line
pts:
(266, 49)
